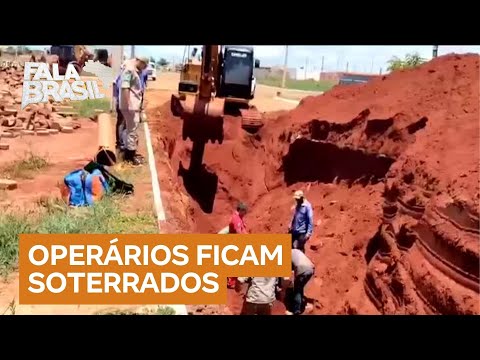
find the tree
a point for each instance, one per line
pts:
(152, 59)
(410, 61)
(162, 62)
(413, 60)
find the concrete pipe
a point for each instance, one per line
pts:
(106, 141)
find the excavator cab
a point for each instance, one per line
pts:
(237, 73)
(70, 54)
(65, 53)
(102, 56)
(237, 84)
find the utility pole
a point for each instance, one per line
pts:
(321, 68)
(306, 66)
(371, 68)
(435, 51)
(132, 52)
(285, 69)
(347, 68)
(117, 60)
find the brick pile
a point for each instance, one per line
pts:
(36, 119)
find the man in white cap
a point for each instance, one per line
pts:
(301, 226)
(131, 95)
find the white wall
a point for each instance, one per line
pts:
(315, 75)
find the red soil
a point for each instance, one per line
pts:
(418, 129)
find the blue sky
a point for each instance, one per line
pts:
(359, 58)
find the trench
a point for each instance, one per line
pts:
(311, 161)
(321, 155)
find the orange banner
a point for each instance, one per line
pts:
(144, 269)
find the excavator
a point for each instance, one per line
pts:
(74, 54)
(68, 54)
(223, 77)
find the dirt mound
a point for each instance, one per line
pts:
(391, 168)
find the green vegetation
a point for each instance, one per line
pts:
(162, 62)
(24, 168)
(55, 217)
(305, 85)
(11, 308)
(159, 310)
(86, 108)
(111, 215)
(410, 61)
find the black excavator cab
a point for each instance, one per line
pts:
(65, 53)
(237, 72)
(101, 55)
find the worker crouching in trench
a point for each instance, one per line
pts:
(260, 296)
(263, 291)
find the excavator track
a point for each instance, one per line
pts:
(252, 119)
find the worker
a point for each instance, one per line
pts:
(237, 222)
(144, 88)
(260, 296)
(301, 226)
(121, 131)
(303, 270)
(237, 226)
(131, 93)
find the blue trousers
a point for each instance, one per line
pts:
(298, 294)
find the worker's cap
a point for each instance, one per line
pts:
(143, 59)
(298, 195)
(242, 206)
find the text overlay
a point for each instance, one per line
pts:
(144, 269)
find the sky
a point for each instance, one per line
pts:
(360, 58)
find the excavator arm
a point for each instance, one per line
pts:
(202, 114)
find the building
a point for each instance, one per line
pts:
(275, 72)
(346, 77)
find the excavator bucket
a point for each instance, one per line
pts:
(252, 119)
(202, 120)
(176, 106)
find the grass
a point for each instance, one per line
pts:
(86, 108)
(24, 168)
(159, 310)
(305, 85)
(11, 308)
(111, 215)
(105, 217)
(130, 173)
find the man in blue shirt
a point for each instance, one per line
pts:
(144, 78)
(119, 125)
(301, 226)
